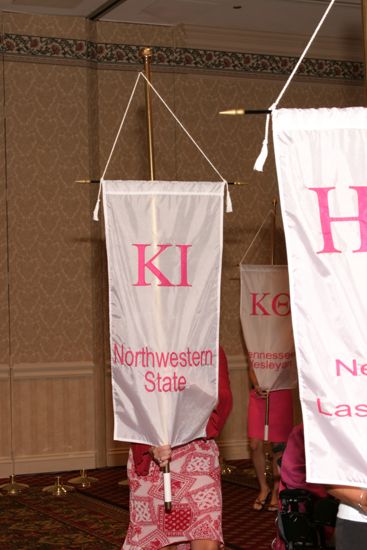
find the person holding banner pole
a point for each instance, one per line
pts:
(267, 329)
(195, 521)
(270, 412)
(351, 523)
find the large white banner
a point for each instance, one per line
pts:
(321, 157)
(267, 326)
(164, 247)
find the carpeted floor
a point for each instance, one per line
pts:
(37, 521)
(96, 518)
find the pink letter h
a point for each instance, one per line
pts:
(326, 219)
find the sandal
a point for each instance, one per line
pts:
(272, 508)
(259, 504)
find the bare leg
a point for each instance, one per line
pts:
(276, 478)
(258, 459)
(204, 545)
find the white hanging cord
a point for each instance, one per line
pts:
(96, 208)
(229, 202)
(260, 161)
(256, 235)
(332, 2)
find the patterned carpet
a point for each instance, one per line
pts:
(96, 518)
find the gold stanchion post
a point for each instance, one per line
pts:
(58, 489)
(83, 480)
(123, 482)
(13, 488)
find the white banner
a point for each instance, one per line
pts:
(267, 326)
(164, 247)
(321, 157)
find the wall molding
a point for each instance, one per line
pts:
(27, 371)
(28, 464)
(234, 449)
(61, 462)
(118, 457)
(237, 362)
(4, 371)
(6, 468)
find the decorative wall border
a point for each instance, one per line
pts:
(123, 55)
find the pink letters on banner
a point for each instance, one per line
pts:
(354, 370)
(342, 410)
(144, 264)
(278, 305)
(151, 361)
(326, 219)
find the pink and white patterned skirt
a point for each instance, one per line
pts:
(196, 500)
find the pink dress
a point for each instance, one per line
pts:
(280, 415)
(196, 500)
(195, 485)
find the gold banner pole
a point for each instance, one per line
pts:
(273, 228)
(147, 56)
(98, 181)
(266, 427)
(241, 112)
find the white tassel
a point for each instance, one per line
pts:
(96, 210)
(260, 161)
(229, 207)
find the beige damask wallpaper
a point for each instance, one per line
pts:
(65, 84)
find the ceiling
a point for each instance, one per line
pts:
(277, 16)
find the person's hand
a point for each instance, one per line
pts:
(161, 455)
(260, 392)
